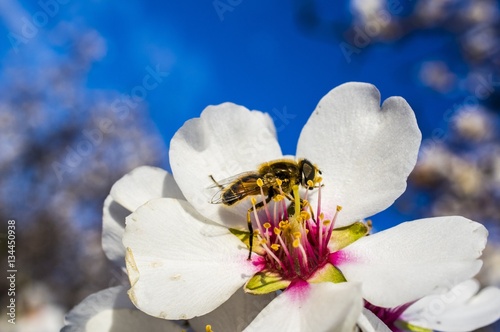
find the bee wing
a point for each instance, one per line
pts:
(248, 186)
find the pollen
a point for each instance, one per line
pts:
(279, 182)
(305, 215)
(253, 200)
(260, 183)
(284, 224)
(277, 231)
(278, 198)
(208, 328)
(275, 246)
(310, 183)
(296, 243)
(339, 208)
(267, 225)
(326, 222)
(297, 235)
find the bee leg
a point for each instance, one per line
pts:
(217, 183)
(249, 222)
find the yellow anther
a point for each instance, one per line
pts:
(318, 179)
(310, 183)
(208, 328)
(267, 225)
(305, 215)
(296, 243)
(275, 246)
(307, 231)
(326, 222)
(283, 224)
(321, 216)
(339, 207)
(256, 232)
(278, 198)
(263, 241)
(277, 231)
(279, 182)
(297, 235)
(260, 183)
(253, 200)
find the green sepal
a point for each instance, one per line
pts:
(327, 273)
(410, 327)
(344, 236)
(265, 282)
(244, 237)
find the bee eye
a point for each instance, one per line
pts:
(308, 171)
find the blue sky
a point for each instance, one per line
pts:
(259, 56)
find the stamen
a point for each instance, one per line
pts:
(208, 328)
(275, 246)
(257, 220)
(270, 253)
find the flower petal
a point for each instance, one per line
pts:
(364, 151)
(235, 314)
(312, 307)
(224, 141)
(113, 227)
(127, 194)
(180, 265)
(458, 310)
(369, 322)
(413, 259)
(142, 184)
(111, 310)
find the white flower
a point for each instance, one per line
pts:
(183, 260)
(461, 308)
(111, 310)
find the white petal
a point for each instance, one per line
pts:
(127, 194)
(369, 322)
(111, 310)
(235, 314)
(179, 265)
(226, 140)
(142, 184)
(456, 296)
(458, 310)
(413, 259)
(364, 151)
(316, 307)
(113, 227)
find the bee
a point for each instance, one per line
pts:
(284, 173)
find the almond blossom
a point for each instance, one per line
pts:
(186, 257)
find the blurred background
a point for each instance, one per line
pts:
(77, 112)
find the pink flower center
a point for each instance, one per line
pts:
(390, 316)
(294, 238)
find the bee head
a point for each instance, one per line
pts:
(308, 172)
